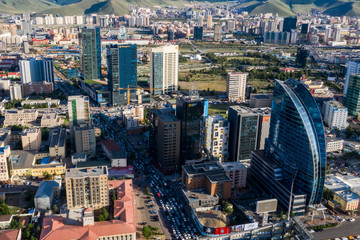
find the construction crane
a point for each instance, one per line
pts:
(135, 88)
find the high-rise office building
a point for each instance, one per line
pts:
(122, 71)
(305, 27)
(165, 140)
(200, 21)
(34, 70)
(353, 67)
(90, 52)
(79, 110)
(230, 25)
(289, 24)
(85, 140)
(264, 126)
(217, 32)
(236, 86)
(198, 33)
(87, 187)
(352, 100)
(295, 151)
(216, 137)
(190, 110)
(164, 62)
(15, 92)
(244, 125)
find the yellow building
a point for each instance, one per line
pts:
(348, 201)
(39, 170)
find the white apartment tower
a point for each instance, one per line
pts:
(15, 92)
(79, 110)
(4, 156)
(335, 115)
(164, 63)
(236, 86)
(216, 137)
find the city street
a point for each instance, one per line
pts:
(345, 229)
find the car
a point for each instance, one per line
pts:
(351, 219)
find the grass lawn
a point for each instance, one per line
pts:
(219, 109)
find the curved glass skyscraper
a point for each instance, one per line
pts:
(296, 140)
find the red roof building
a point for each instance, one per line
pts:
(13, 234)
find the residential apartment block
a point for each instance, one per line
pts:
(31, 139)
(87, 187)
(236, 86)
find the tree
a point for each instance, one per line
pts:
(147, 232)
(15, 224)
(104, 216)
(349, 131)
(147, 190)
(56, 209)
(4, 208)
(47, 176)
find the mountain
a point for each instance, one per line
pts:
(282, 7)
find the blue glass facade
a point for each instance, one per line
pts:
(296, 140)
(122, 71)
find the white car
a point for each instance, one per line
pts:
(351, 219)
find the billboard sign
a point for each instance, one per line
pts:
(220, 231)
(251, 226)
(266, 206)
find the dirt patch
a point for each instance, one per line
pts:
(212, 219)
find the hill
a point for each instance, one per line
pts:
(282, 7)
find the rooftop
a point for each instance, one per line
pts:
(195, 195)
(86, 172)
(348, 196)
(229, 166)
(111, 145)
(10, 234)
(46, 188)
(251, 111)
(58, 138)
(21, 159)
(336, 104)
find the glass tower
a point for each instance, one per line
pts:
(352, 100)
(122, 71)
(296, 141)
(90, 53)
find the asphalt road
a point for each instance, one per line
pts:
(345, 229)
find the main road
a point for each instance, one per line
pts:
(345, 229)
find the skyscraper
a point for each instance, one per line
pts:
(352, 100)
(236, 86)
(33, 70)
(289, 23)
(243, 132)
(217, 32)
(79, 110)
(122, 71)
(295, 151)
(190, 110)
(198, 33)
(209, 21)
(164, 62)
(90, 52)
(353, 67)
(165, 139)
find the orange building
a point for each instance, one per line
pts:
(210, 176)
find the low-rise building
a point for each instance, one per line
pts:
(199, 199)
(114, 152)
(78, 157)
(31, 139)
(51, 120)
(210, 176)
(347, 200)
(237, 172)
(21, 162)
(49, 165)
(57, 146)
(12, 234)
(22, 117)
(48, 101)
(334, 145)
(131, 122)
(47, 191)
(5, 221)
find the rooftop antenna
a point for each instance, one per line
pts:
(193, 92)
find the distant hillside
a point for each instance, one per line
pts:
(282, 7)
